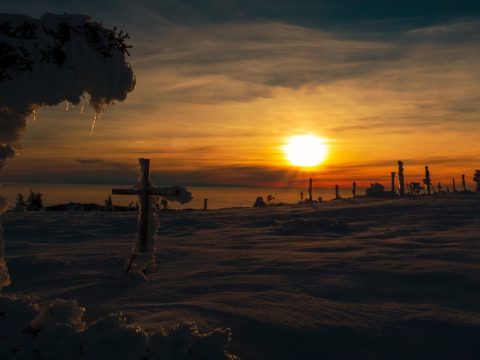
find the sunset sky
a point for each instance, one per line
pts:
(222, 85)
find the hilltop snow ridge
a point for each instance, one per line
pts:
(352, 279)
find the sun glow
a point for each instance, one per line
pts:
(305, 150)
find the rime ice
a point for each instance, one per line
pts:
(53, 59)
(148, 217)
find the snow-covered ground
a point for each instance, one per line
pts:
(349, 279)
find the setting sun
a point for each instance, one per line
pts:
(305, 150)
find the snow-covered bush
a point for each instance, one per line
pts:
(53, 59)
(56, 330)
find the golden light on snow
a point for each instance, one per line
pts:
(305, 150)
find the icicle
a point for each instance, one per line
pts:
(83, 104)
(96, 117)
(94, 121)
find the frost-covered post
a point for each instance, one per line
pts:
(427, 180)
(147, 223)
(401, 178)
(393, 181)
(476, 178)
(310, 190)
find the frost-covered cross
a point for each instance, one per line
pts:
(147, 222)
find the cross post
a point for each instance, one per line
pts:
(146, 221)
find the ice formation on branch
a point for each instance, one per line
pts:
(56, 330)
(53, 59)
(182, 195)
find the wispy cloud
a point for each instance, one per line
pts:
(221, 84)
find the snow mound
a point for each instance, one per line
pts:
(183, 196)
(56, 330)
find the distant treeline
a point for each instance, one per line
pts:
(89, 207)
(34, 202)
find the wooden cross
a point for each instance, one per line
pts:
(144, 190)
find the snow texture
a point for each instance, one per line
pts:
(347, 279)
(56, 330)
(53, 59)
(4, 276)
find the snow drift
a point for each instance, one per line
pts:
(56, 330)
(356, 279)
(53, 59)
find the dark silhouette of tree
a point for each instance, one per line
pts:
(416, 188)
(108, 204)
(164, 204)
(270, 200)
(20, 202)
(35, 201)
